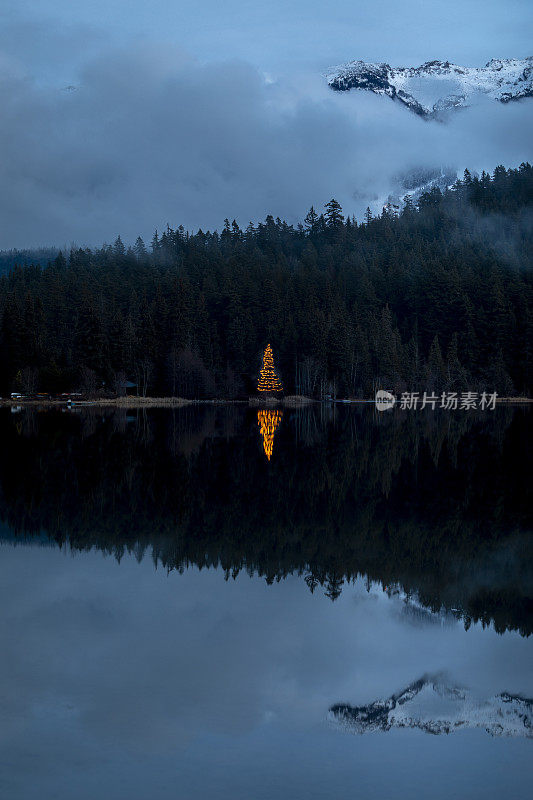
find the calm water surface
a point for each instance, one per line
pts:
(216, 602)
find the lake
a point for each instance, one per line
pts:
(233, 602)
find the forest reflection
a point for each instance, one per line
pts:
(268, 420)
(433, 504)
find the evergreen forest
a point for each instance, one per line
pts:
(437, 296)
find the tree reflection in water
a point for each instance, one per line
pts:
(436, 505)
(268, 420)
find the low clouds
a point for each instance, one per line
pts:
(151, 136)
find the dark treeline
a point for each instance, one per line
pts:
(439, 297)
(436, 503)
(27, 257)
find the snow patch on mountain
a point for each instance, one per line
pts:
(414, 183)
(434, 706)
(437, 86)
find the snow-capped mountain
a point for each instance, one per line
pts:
(437, 86)
(436, 707)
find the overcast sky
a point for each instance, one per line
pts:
(187, 112)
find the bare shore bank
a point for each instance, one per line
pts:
(291, 401)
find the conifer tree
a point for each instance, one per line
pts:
(268, 379)
(334, 216)
(139, 248)
(118, 248)
(311, 220)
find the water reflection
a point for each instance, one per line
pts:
(268, 420)
(187, 686)
(436, 507)
(243, 679)
(434, 705)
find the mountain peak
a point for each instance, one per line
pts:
(437, 86)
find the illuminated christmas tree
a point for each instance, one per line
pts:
(268, 379)
(268, 420)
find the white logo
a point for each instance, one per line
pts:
(384, 400)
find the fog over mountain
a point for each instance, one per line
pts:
(122, 135)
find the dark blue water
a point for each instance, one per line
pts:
(181, 616)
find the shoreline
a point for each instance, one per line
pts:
(154, 402)
(291, 401)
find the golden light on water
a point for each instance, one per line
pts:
(268, 420)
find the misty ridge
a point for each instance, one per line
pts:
(437, 297)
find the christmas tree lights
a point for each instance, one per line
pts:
(268, 379)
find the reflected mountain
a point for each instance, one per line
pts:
(436, 505)
(434, 706)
